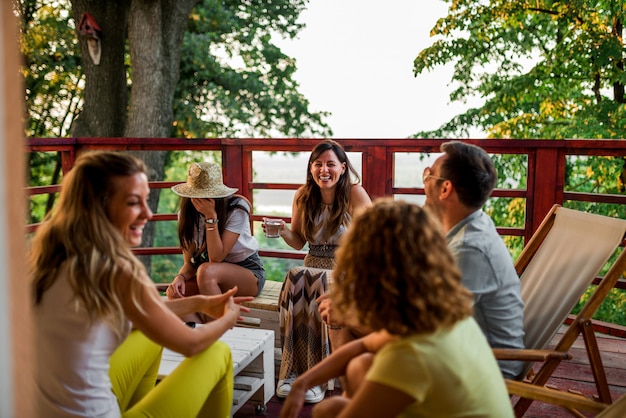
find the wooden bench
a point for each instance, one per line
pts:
(268, 299)
(253, 363)
(265, 308)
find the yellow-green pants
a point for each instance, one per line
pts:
(201, 386)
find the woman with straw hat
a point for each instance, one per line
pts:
(214, 231)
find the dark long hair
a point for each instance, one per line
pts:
(188, 220)
(310, 197)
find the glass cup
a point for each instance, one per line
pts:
(272, 227)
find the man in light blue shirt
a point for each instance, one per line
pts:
(457, 186)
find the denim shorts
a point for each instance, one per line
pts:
(255, 265)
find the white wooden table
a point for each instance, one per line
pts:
(253, 364)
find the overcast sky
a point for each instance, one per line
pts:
(355, 59)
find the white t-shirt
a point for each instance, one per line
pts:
(238, 222)
(72, 373)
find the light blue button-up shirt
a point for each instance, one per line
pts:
(488, 272)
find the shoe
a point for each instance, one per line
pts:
(284, 387)
(314, 395)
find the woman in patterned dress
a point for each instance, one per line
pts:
(321, 212)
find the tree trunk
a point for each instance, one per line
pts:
(106, 90)
(155, 30)
(155, 35)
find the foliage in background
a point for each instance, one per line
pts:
(52, 81)
(611, 310)
(234, 81)
(51, 68)
(544, 70)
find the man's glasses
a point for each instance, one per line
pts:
(426, 175)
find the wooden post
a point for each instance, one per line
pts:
(232, 166)
(378, 177)
(545, 182)
(17, 359)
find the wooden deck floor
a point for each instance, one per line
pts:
(574, 374)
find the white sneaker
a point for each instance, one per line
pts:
(314, 395)
(284, 387)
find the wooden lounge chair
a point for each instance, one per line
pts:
(570, 401)
(564, 256)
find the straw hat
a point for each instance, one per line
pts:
(204, 180)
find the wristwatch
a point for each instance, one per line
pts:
(211, 221)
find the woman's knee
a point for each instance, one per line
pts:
(330, 407)
(208, 366)
(220, 358)
(356, 370)
(206, 272)
(208, 278)
(219, 352)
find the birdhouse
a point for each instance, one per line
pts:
(89, 28)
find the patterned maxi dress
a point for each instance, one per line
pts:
(304, 336)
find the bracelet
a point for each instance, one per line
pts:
(211, 229)
(182, 275)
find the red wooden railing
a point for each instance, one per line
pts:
(546, 163)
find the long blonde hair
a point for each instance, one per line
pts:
(78, 234)
(394, 271)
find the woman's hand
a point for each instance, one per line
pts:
(281, 228)
(293, 404)
(216, 306)
(205, 207)
(231, 311)
(324, 306)
(176, 288)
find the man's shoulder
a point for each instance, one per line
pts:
(479, 237)
(475, 229)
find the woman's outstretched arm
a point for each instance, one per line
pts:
(153, 318)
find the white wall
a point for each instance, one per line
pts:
(16, 340)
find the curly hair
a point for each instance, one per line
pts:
(310, 197)
(394, 271)
(78, 234)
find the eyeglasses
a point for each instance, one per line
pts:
(426, 175)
